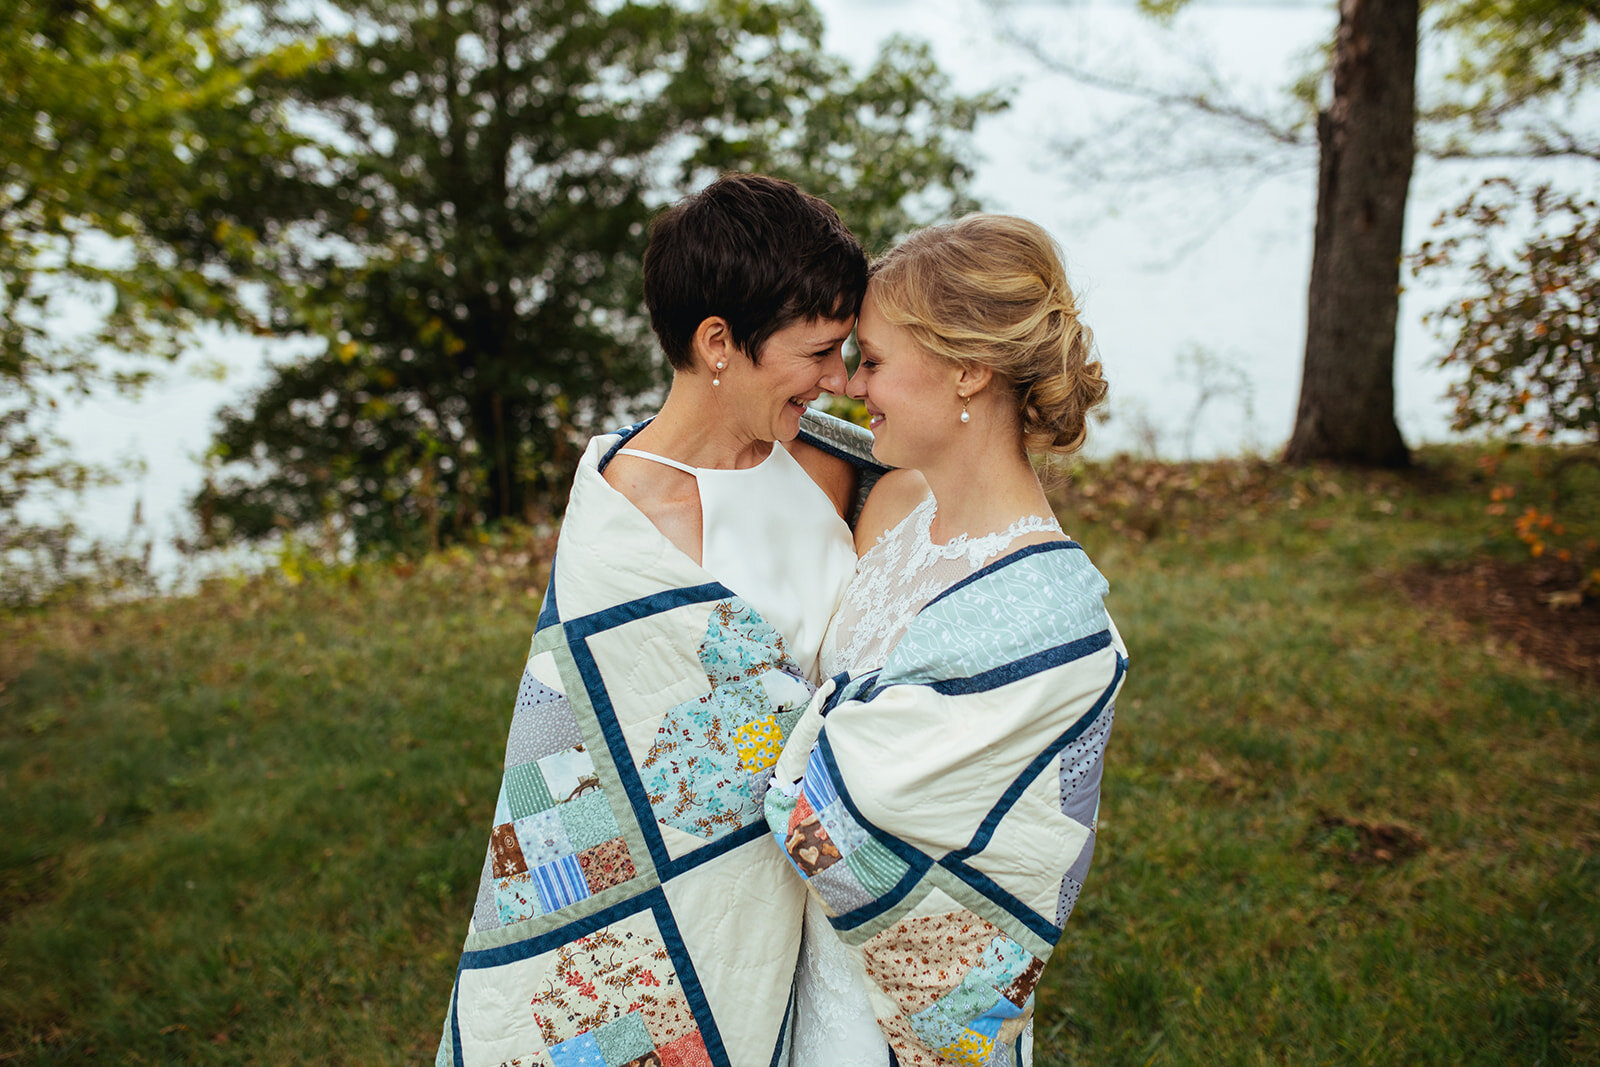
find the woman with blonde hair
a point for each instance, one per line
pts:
(939, 797)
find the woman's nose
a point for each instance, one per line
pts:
(834, 374)
(857, 386)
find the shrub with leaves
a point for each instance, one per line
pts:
(1527, 332)
(1527, 336)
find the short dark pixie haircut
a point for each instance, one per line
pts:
(756, 251)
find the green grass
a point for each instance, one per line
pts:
(246, 826)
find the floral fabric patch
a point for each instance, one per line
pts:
(606, 865)
(957, 978)
(740, 645)
(601, 979)
(505, 852)
(668, 1019)
(759, 743)
(917, 961)
(516, 899)
(706, 770)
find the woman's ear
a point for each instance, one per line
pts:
(973, 379)
(712, 344)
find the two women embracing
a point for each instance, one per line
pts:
(805, 762)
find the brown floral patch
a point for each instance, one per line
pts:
(1022, 987)
(506, 851)
(606, 865)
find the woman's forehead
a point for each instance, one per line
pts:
(818, 333)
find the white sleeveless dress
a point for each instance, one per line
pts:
(770, 534)
(834, 1025)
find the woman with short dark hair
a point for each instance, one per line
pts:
(632, 908)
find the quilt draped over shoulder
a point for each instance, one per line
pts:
(944, 807)
(632, 909)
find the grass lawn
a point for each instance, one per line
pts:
(1337, 827)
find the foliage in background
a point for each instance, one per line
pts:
(466, 235)
(105, 107)
(1525, 334)
(1500, 79)
(1525, 339)
(1511, 54)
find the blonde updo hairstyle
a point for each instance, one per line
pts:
(991, 290)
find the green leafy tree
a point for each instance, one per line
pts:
(105, 105)
(466, 235)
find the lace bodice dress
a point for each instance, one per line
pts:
(834, 1024)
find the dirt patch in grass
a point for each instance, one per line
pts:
(1530, 605)
(1366, 843)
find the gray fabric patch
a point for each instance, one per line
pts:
(1081, 768)
(486, 913)
(1070, 888)
(542, 724)
(837, 884)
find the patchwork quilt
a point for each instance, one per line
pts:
(944, 807)
(632, 908)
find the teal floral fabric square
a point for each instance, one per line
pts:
(740, 644)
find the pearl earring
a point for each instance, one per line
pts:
(966, 416)
(721, 365)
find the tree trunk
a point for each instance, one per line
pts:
(1367, 142)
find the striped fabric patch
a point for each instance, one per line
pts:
(818, 787)
(560, 883)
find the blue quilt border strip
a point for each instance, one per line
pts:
(1004, 674)
(980, 839)
(919, 862)
(788, 1017)
(654, 901)
(956, 863)
(1005, 561)
(578, 631)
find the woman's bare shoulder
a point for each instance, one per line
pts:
(836, 476)
(892, 499)
(669, 498)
